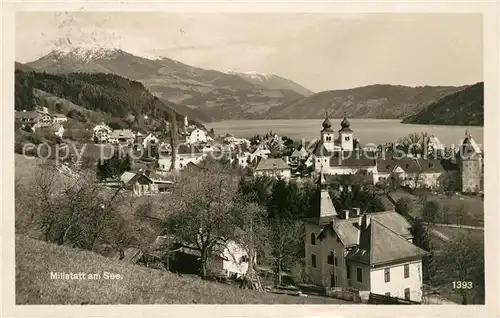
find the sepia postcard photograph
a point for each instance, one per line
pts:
(268, 157)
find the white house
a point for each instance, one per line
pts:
(121, 136)
(60, 118)
(184, 155)
(235, 259)
(274, 167)
(101, 132)
(142, 183)
(365, 252)
(410, 172)
(150, 139)
(197, 136)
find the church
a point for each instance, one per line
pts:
(341, 154)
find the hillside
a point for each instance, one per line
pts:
(465, 107)
(272, 81)
(212, 95)
(105, 94)
(23, 67)
(139, 285)
(374, 101)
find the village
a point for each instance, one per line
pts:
(350, 250)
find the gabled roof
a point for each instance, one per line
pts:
(129, 178)
(347, 230)
(390, 165)
(469, 148)
(430, 166)
(353, 159)
(380, 245)
(122, 133)
(320, 150)
(271, 164)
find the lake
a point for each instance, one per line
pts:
(366, 130)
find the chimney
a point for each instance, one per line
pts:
(346, 214)
(356, 211)
(363, 224)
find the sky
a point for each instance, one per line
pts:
(319, 51)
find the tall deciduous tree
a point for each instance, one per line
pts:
(78, 212)
(202, 211)
(462, 260)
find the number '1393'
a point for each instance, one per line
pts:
(462, 285)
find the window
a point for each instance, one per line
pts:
(335, 260)
(348, 271)
(387, 275)
(359, 275)
(329, 259)
(407, 293)
(388, 294)
(313, 239)
(313, 260)
(407, 270)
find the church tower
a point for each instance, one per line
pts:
(469, 159)
(346, 135)
(327, 134)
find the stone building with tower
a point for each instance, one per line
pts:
(469, 158)
(339, 152)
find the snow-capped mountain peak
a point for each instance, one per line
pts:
(253, 75)
(85, 53)
(88, 53)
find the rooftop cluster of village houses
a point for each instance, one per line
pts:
(344, 249)
(335, 153)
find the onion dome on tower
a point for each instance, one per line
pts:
(345, 124)
(327, 125)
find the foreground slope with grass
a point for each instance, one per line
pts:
(139, 285)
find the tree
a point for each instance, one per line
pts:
(358, 197)
(462, 260)
(286, 244)
(422, 239)
(450, 181)
(404, 205)
(430, 211)
(211, 133)
(253, 235)
(202, 211)
(78, 212)
(114, 167)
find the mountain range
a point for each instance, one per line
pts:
(94, 97)
(210, 95)
(465, 107)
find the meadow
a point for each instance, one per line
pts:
(35, 260)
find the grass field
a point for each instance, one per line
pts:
(474, 207)
(139, 285)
